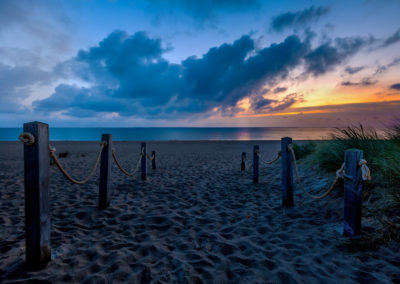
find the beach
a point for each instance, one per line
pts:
(196, 219)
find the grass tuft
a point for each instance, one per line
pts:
(63, 154)
(303, 150)
(382, 196)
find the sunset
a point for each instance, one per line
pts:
(149, 63)
(199, 141)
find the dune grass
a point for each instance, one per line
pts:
(382, 195)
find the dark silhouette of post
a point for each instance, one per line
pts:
(352, 192)
(287, 172)
(105, 172)
(37, 218)
(255, 163)
(153, 161)
(243, 165)
(143, 162)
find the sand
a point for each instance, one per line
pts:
(197, 219)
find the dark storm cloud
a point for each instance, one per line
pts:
(365, 83)
(300, 18)
(332, 53)
(131, 77)
(353, 70)
(392, 39)
(395, 86)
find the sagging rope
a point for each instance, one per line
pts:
(122, 169)
(64, 172)
(278, 155)
(366, 175)
(339, 175)
(150, 158)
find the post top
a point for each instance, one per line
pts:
(35, 122)
(286, 138)
(353, 150)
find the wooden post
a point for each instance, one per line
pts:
(37, 219)
(143, 163)
(243, 165)
(352, 192)
(153, 162)
(287, 173)
(255, 163)
(105, 172)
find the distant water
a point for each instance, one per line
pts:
(177, 133)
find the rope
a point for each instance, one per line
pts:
(278, 155)
(339, 175)
(27, 138)
(150, 158)
(366, 173)
(64, 172)
(122, 169)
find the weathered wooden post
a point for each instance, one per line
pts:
(153, 161)
(37, 219)
(287, 172)
(143, 162)
(243, 165)
(105, 172)
(255, 163)
(352, 192)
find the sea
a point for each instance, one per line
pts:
(177, 133)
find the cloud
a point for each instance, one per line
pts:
(392, 39)
(365, 83)
(279, 90)
(15, 84)
(300, 18)
(332, 53)
(383, 68)
(354, 70)
(199, 10)
(42, 21)
(395, 86)
(130, 76)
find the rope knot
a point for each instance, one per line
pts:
(52, 149)
(27, 138)
(366, 173)
(340, 172)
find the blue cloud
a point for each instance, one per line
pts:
(394, 38)
(354, 70)
(300, 18)
(200, 10)
(332, 53)
(129, 75)
(15, 83)
(365, 83)
(395, 86)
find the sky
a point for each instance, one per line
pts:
(199, 63)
